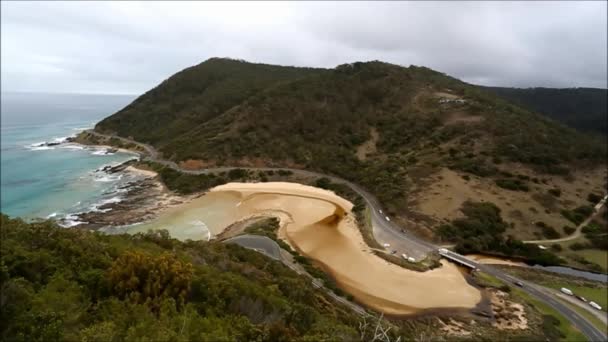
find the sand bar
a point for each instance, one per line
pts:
(320, 225)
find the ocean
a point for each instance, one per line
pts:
(39, 181)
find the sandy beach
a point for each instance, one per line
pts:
(320, 225)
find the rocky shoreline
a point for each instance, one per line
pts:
(140, 200)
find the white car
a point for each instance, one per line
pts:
(388, 219)
(386, 245)
(380, 211)
(442, 251)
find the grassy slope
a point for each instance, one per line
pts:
(194, 96)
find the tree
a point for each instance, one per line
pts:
(143, 277)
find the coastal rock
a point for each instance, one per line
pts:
(143, 199)
(117, 168)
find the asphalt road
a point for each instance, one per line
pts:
(270, 248)
(408, 240)
(590, 331)
(260, 244)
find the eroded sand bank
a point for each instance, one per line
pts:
(491, 260)
(320, 225)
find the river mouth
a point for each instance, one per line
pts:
(321, 226)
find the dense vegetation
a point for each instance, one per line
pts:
(597, 234)
(481, 231)
(72, 285)
(585, 109)
(227, 112)
(194, 96)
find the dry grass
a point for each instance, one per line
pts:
(444, 193)
(508, 315)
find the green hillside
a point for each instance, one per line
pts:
(585, 109)
(227, 112)
(195, 95)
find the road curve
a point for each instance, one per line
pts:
(581, 323)
(258, 243)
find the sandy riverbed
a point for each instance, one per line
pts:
(320, 225)
(490, 260)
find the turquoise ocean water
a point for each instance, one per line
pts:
(56, 181)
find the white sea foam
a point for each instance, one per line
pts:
(203, 226)
(95, 207)
(51, 215)
(108, 178)
(115, 199)
(102, 152)
(70, 220)
(41, 148)
(73, 147)
(61, 139)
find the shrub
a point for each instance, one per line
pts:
(594, 198)
(146, 278)
(555, 192)
(579, 214)
(512, 184)
(550, 232)
(556, 248)
(481, 231)
(237, 174)
(569, 230)
(577, 246)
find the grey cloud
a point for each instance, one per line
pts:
(129, 47)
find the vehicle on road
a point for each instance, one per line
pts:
(387, 218)
(595, 305)
(519, 283)
(410, 259)
(394, 251)
(566, 291)
(380, 211)
(386, 245)
(581, 298)
(442, 251)
(404, 256)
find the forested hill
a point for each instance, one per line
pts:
(373, 123)
(585, 109)
(196, 95)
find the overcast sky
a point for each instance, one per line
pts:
(129, 47)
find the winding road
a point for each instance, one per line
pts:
(410, 242)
